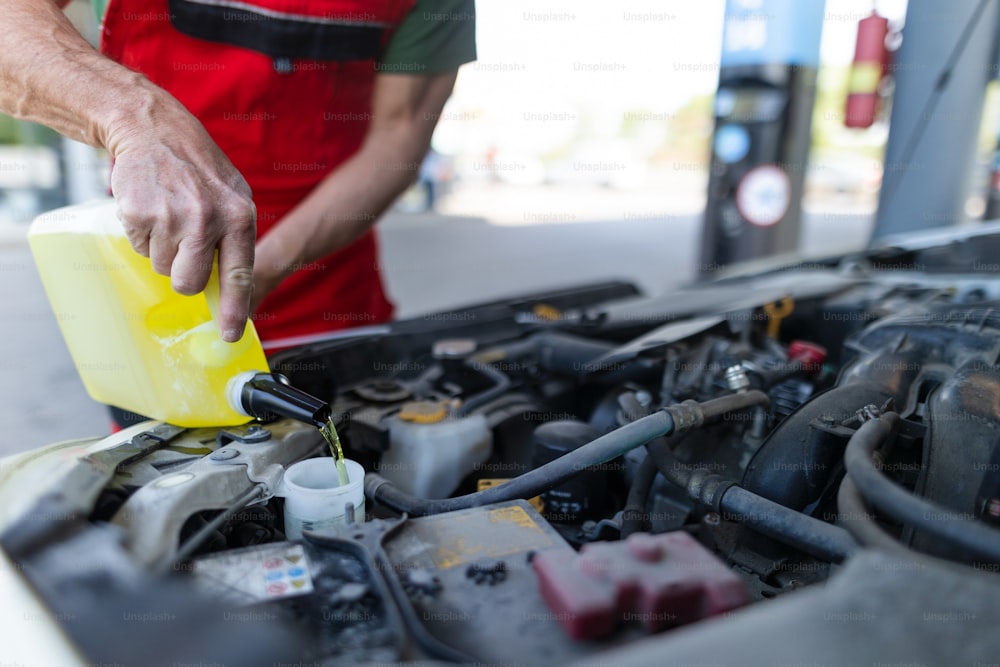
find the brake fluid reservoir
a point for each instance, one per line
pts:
(431, 452)
(136, 343)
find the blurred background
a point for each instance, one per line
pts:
(577, 148)
(577, 107)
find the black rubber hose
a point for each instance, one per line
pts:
(674, 419)
(556, 352)
(534, 482)
(634, 514)
(668, 465)
(801, 531)
(895, 501)
(570, 355)
(855, 517)
(501, 383)
(771, 377)
(206, 531)
(767, 517)
(715, 408)
(559, 353)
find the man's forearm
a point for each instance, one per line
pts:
(352, 198)
(179, 197)
(50, 75)
(343, 207)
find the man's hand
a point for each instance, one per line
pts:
(180, 200)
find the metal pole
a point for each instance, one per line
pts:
(941, 71)
(992, 210)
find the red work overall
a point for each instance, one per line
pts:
(284, 88)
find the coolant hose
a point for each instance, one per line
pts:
(634, 514)
(859, 522)
(801, 531)
(501, 383)
(557, 352)
(980, 540)
(766, 517)
(674, 419)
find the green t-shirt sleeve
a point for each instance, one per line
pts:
(436, 36)
(99, 7)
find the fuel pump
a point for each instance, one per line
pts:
(763, 114)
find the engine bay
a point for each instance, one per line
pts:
(553, 478)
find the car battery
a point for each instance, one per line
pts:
(469, 585)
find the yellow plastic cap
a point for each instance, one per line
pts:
(423, 412)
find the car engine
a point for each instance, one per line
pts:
(555, 477)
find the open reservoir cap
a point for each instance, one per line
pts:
(314, 498)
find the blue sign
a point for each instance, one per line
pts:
(732, 143)
(765, 32)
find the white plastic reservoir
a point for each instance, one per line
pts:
(431, 452)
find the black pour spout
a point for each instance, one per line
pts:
(268, 396)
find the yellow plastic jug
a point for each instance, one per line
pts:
(136, 343)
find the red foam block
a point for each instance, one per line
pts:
(657, 580)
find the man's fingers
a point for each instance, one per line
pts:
(162, 250)
(136, 231)
(235, 286)
(191, 267)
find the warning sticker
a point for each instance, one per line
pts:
(464, 537)
(247, 576)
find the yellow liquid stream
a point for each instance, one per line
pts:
(329, 432)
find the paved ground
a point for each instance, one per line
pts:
(432, 262)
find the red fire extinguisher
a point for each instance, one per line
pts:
(871, 59)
